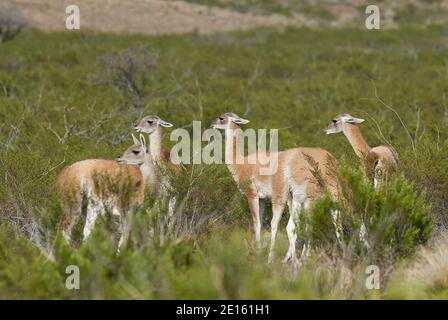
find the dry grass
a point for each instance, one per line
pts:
(431, 268)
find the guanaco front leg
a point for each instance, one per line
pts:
(254, 206)
(277, 210)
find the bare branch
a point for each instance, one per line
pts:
(398, 116)
(129, 72)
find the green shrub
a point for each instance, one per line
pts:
(396, 217)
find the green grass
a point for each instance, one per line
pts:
(292, 79)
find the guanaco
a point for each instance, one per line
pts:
(94, 186)
(378, 162)
(293, 183)
(153, 126)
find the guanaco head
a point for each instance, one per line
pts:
(150, 123)
(228, 120)
(135, 154)
(338, 122)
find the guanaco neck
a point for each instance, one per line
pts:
(232, 136)
(356, 140)
(148, 172)
(155, 144)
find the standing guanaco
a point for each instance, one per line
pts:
(293, 183)
(153, 126)
(99, 185)
(378, 162)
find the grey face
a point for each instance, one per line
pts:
(150, 123)
(225, 121)
(135, 154)
(338, 122)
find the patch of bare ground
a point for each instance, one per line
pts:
(175, 16)
(139, 16)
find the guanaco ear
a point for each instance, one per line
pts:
(165, 124)
(134, 139)
(143, 142)
(350, 119)
(239, 120)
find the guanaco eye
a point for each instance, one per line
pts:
(135, 151)
(334, 120)
(221, 118)
(150, 121)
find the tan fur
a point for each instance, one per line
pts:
(378, 162)
(300, 172)
(166, 170)
(159, 154)
(354, 136)
(106, 179)
(153, 126)
(387, 161)
(294, 182)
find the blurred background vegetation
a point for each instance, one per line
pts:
(63, 98)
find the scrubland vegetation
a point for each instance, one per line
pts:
(64, 97)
